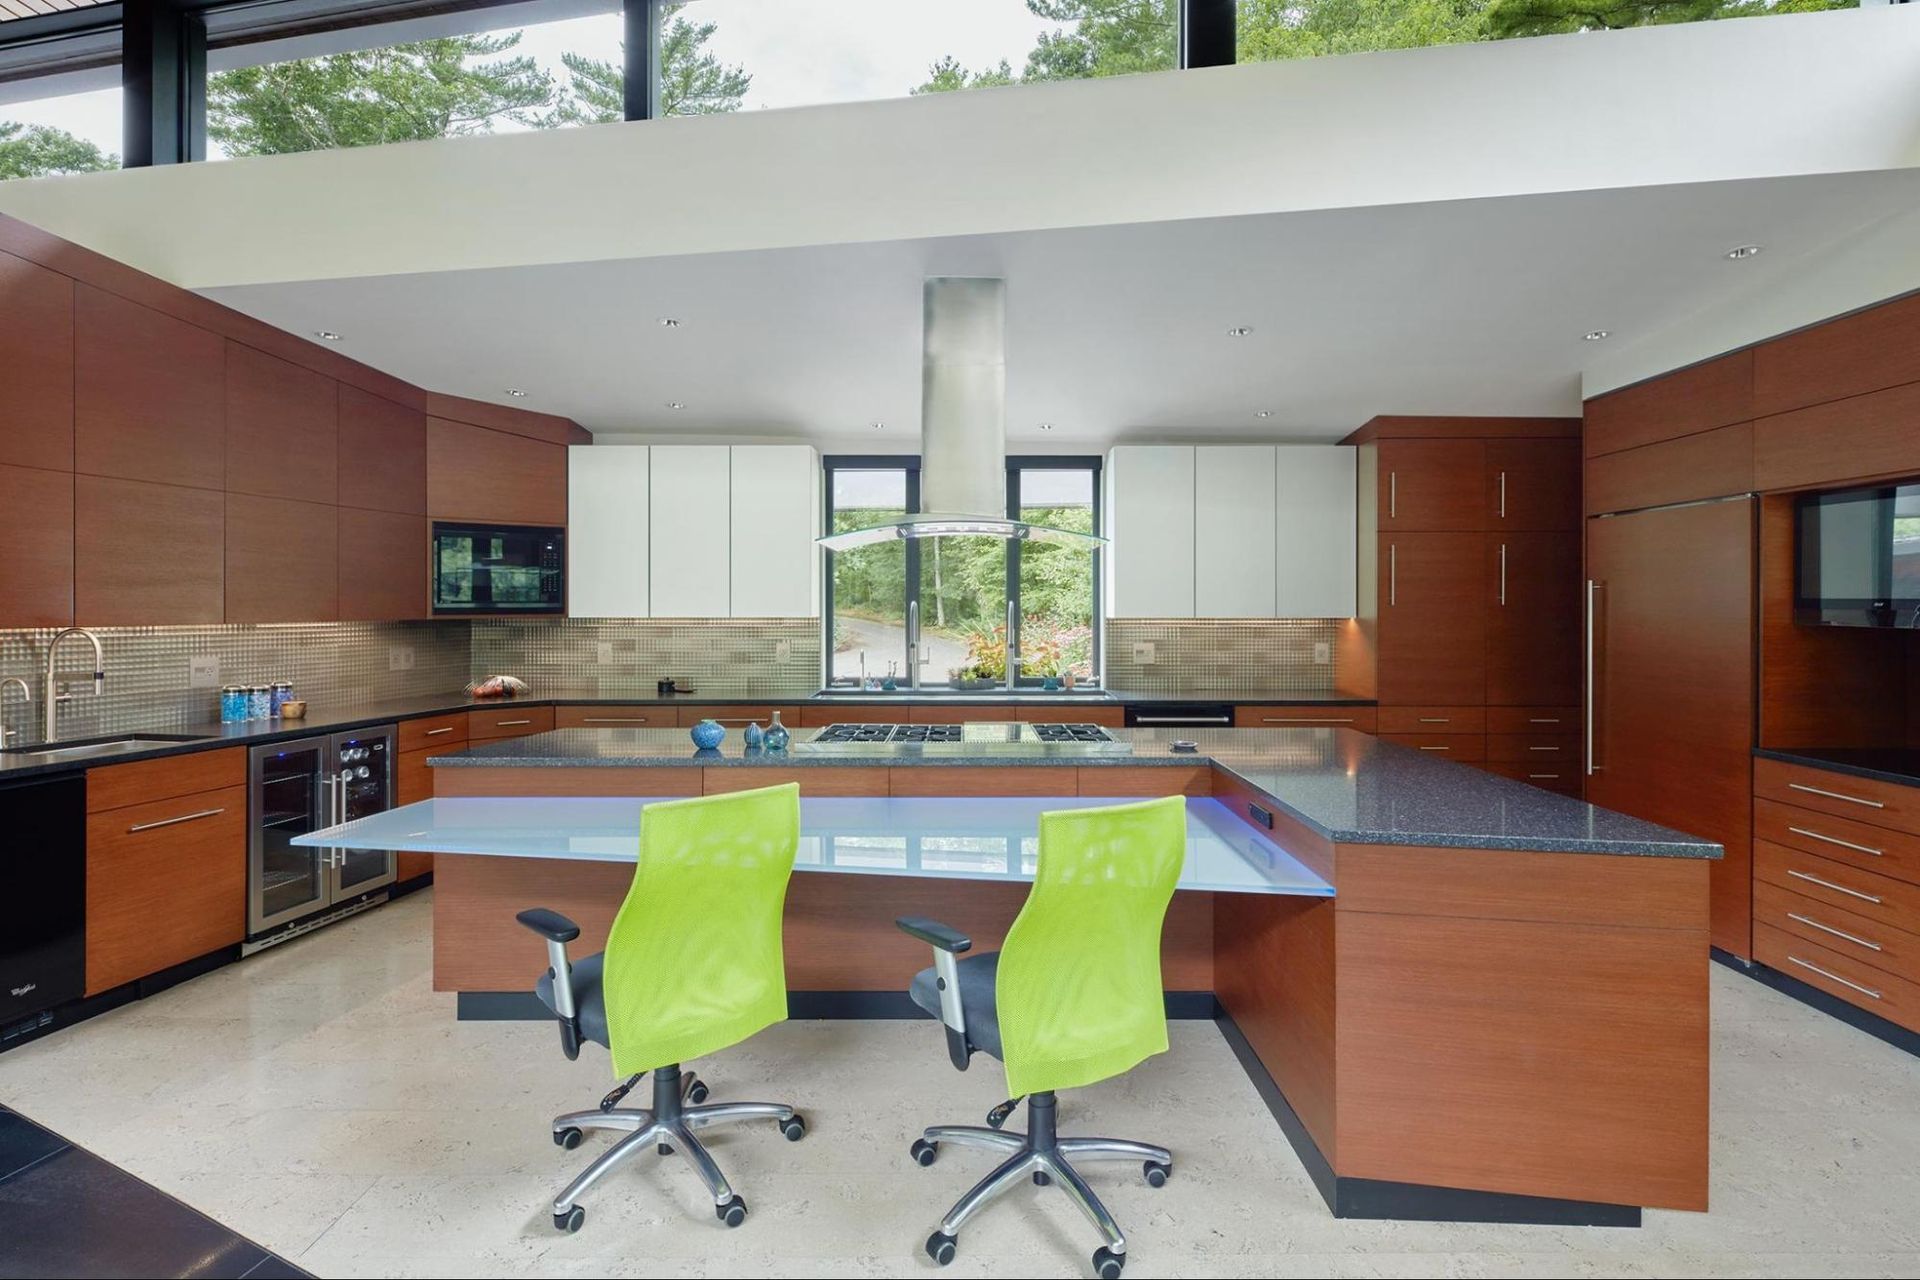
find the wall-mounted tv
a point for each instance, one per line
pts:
(1858, 557)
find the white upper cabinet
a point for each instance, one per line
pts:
(776, 517)
(1233, 531)
(1150, 525)
(1316, 526)
(690, 531)
(607, 531)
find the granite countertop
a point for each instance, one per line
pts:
(1350, 787)
(1898, 765)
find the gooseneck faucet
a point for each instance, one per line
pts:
(26, 692)
(52, 698)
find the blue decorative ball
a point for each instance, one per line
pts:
(708, 733)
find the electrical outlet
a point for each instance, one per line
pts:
(783, 651)
(399, 657)
(603, 652)
(203, 672)
(1322, 653)
(1143, 652)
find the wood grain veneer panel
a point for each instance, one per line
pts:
(1389, 426)
(36, 333)
(826, 780)
(1273, 974)
(1841, 441)
(1436, 485)
(550, 427)
(438, 732)
(509, 721)
(635, 716)
(1883, 804)
(477, 944)
(36, 571)
(474, 473)
(1866, 351)
(1857, 843)
(383, 453)
(283, 428)
(1146, 780)
(382, 566)
(283, 560)
(965, 780)
(1711, 394)
(168, 894)
(1311, 848)
(149, 394)
(115, 786)
(1711, 464)
(147, 554)
(1306, 715)
(1557, 888)
(1839, 974)
(1862, 939)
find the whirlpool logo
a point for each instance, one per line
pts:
(31, 986)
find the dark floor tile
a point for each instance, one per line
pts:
(22, 1142)
(275, 1267)
(73, 1214)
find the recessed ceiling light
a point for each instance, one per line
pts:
(1046, 426)
(668, 322)
(1597, 335)
(878, 426)
(326, 335)
(1741, 252)
(516, 393)
(675, 404)
(1240, 331)
(1263, 413)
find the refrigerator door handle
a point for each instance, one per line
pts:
(1594, 588)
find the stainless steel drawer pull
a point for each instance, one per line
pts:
(1835, 795)
(1838, 933)
(168, 822)
(1543, 775)
(1543, 719)
(1183, 719)
(1436, 748)
(1393, 495)
(1844, 844)
(1306, 720)
(507, 724)
(433, 733)
(1808, 964)
(1837, 888)
(1436, 719)
(613, 720)
(1543, 748)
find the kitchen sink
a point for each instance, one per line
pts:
(117, 745)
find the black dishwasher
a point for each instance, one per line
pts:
(43, 882)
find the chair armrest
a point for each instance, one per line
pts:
(550, 925)
(939, 936)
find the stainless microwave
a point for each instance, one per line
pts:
(499, 569)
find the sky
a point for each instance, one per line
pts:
(799, 51)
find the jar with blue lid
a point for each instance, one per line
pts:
(260, 702)
(280, 694)
(233, 703)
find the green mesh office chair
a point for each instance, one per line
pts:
(693, 964)
(1071, 998)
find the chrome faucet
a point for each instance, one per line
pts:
(54, 698)
(1013, 657)
(916, 657)
(26, 692)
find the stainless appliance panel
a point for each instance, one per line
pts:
(289, 794)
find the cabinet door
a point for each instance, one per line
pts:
(283, 560)
(607, 516)
(775, 571)
(283, 428)
(1432, 485)
(474, 473)
(688, 531)
(1233, 531)
(1533, 484)
(1315, 531)
(1150, 521)
(383, 454)
(383, 566)
(166, 883)
(1533, 619)
(1432, 624)
(36, 396)
(149, 394)
(147, 554)
(36, 522)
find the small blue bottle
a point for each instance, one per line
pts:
(756, 736)
(777, 735)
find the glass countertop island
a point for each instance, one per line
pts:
(925, 838)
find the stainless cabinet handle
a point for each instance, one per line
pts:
(1837, 888)
(1436, 748)
(1436, 719)
(1844, 844)
(507, 724)
(1393, 573)
(1543, 748)
(1593, 607)
(1393, 495)
(168, 822)
(1838, 933)
(1543, 775)
(1503, 512)
(735, 720)
(1503, 564)
(1183, 719)
(434, 733)
(1808, 964)
(1835, 795)
(1543, 719)
(1306, 720)
(612, 720)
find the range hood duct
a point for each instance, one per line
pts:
(963, 424)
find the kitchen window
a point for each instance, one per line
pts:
(962, 586)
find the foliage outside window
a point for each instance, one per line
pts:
(962, 584)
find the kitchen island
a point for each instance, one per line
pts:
(1500, 1014)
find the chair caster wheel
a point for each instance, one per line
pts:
(940, 1247)
(665, 1148)
(1156, 1173)
(733, 1212)
(794, 1128)
(697, 1091)
(1107, 1264)
(923, 1152)
(1041, 1179)
(569, 1221)
(569, 1138)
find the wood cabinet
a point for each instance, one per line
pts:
(1306, 715)
(643, 716)
(382, 565)
(149, 394)
(283, 560)
(1432, 485)
(383, 453)
(1433, 719)
(1867, 351)
(36, 397)
(508, 722)
(1533, 484)
(283, 428)
(1234, 536)
(690, 488)
(1839, 442)
(147, 554)
(774, 565)
(1533, 619)
(1432, 624)
(476, 473)
(1150, 516)
(1700, 397)
(36, 571)
(608, 522)
(1710, 464)
(1463, 748)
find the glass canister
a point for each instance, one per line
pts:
(233, 703)
(260, 702)
(280, 694)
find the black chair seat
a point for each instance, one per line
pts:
(977, 1004)
(590, 1004)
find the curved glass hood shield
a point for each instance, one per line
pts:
(963, 429)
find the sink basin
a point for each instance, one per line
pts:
(117, 745)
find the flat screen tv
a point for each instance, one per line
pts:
(1858, 557)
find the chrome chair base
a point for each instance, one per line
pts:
(668, 1126)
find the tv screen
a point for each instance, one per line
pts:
(1859, 557)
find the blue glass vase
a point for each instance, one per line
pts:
(756, 737)
(708, 734)
(777, 735)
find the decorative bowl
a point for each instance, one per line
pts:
(293, 709)
(708, 734)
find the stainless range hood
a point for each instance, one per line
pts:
(963, 425)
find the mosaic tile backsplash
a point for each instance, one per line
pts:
(149, 683)
(1247, 656)
(719, 657)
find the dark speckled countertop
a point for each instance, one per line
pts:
(1350, 787)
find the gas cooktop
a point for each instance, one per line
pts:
(981, 738)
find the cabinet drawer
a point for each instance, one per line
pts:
(1565, 779)
(738, 717)
(434, 731)
(1890, 950)
(1884, 804)
(1433, 719)
(605, 717)
(1468, 748)
(1104, 714)
(1838, 974)
(119, 785)
(1878, 849)
(166, 883)
(1562, 749)
(509, 722)
(1835, 884)
(1533, 720)
(1365, 719)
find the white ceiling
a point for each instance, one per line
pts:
(1117, 332)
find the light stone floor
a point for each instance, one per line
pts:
(321, 1099)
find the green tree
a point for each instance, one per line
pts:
(424, 89)
(39, 150)
(1551, 17)
(1271, 30)
(693, 82)
(947, 75)
(1107, 38)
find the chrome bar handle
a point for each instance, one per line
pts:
(1183, 719)
(1593, 608)
(1844, 844)
(1811, 923)
(1393, 495)
(507, 724)
(1837, 888)
(1393, 574)
(1836, 795)
(1834, 977)
(172, 822)
(1503, 571)
(432, 733)
(1503, 502)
